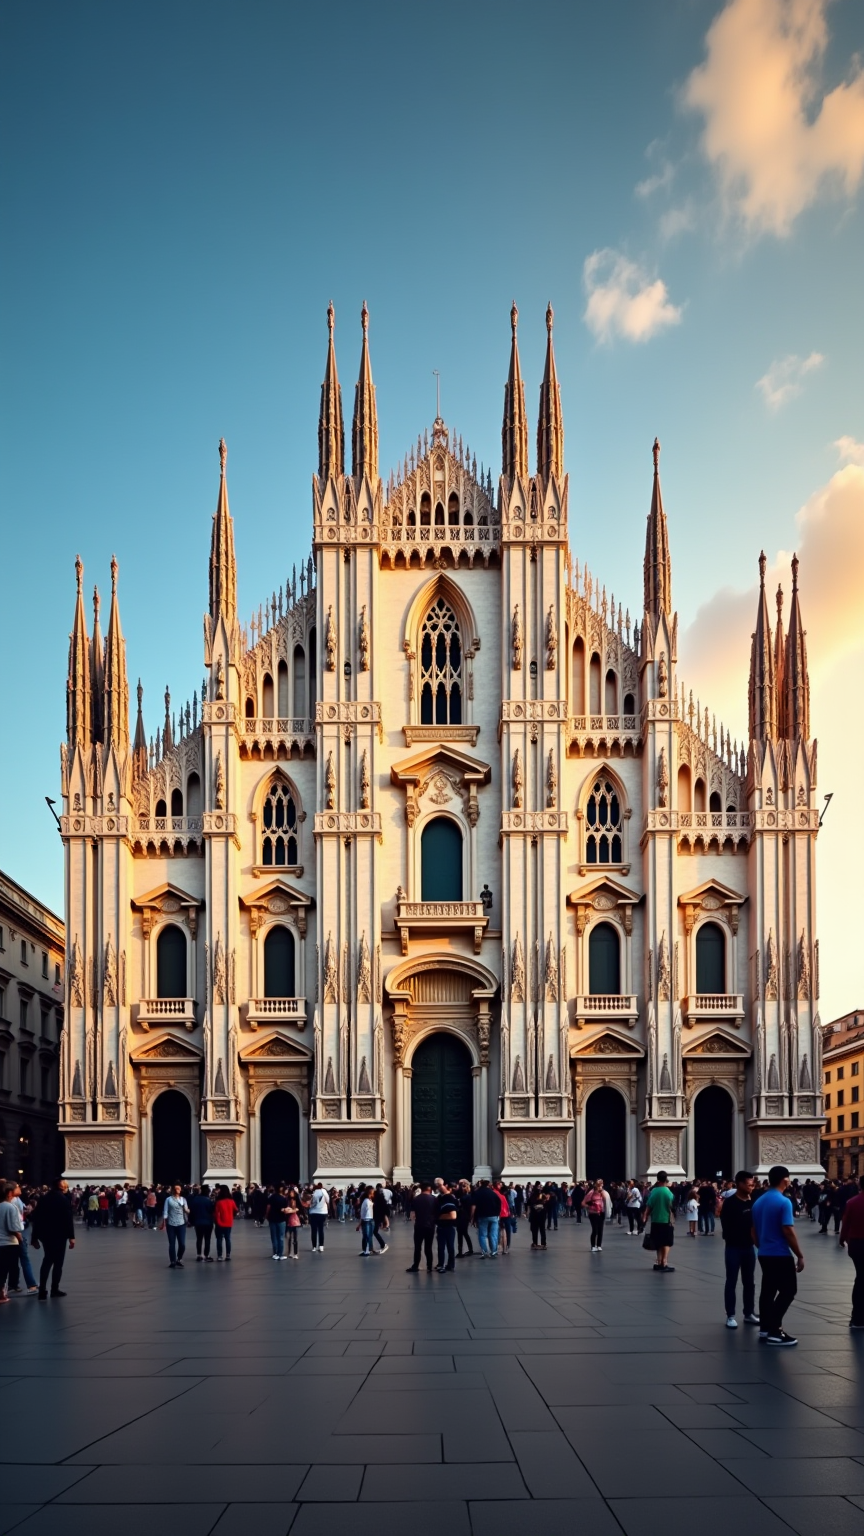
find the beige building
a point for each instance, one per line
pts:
(32, 945)
(445, 871)
(842, 1082)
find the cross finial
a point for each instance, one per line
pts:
(223, 454)
(656, 452)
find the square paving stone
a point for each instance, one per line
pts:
(805, 1475)
(819, 1517)
(544, 1517)
(465, 1480)
(551, 1469)
(649, 1516)
(838, 1441)
(694, 1472)
(416, 1518)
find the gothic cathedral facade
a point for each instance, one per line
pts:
(446, 873)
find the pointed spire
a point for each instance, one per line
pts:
(658, 566)
(139, 746)
(364, 429)
(331, 430)
(116, 682)
(780, 666)
(78, 678)
(514, 431)
(223, 564)
(167, 734)
(796, 678)
(762, 696)
(550, 423)
(97, 675)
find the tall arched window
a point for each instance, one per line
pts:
(604, 827)
(279, 963)
(299, 680)
(594, 685)
(425, 510)
(710, 959)
(176, 802)
(441, 861)
(440, 667)
(313, 662)
(453, 510)
(611, 694)
(267, 697)
(282, 681)
(279, 840)
(604, 960)
(439, 515)
(171, 962)
(193, 795)
(578, 689)
(685, 798)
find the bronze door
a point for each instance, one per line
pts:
(442, 1110)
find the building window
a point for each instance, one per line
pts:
(45, 964)
(604, 960)
(24, 1075)
(841, 1073)
(856, 1091)
(23, 1013)
(440, 667)
(841, 1122)
(827, 1101)
(603, 839)
(710, 960)
(45, 1082)
(57, 975)
(855, 1121)
(24, 960)
(171, 962)
(441, 861)
(841, 1099)
(828, 1076)
(279, 843)
(827, 1127)
(45, 1022)
(854, 1069)
(279, 963)
(2, 937)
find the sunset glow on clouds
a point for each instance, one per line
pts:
(624, 300)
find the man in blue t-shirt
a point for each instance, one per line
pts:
(780, 1257)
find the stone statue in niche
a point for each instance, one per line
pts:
(330, 640)
(662, 676)
(364, 640)
(220, 678)
(518, 780)
(518, 640)
(663, 779)
(219, 783)
(551, 640)
(330, 783)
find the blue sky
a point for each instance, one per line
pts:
(184, 189)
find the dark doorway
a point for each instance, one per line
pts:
(710, 960)
(712, 1127)
(172, 1138)
(280, 1138)
(442, 1110)
(606, 1135)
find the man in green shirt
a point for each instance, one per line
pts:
(659, 1208)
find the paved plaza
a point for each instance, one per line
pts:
(556, 1394)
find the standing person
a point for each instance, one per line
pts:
(380, 1216)
(736, 1224)
(366, 1224)
(599, 1207)
(11, 1228)
(658, 1208)
(780, 1257)
(150, 1208)
(692, 1210)
(53, 1227)
(224, 1213)
(485, 1213)
(276, 1203)
(292, 1226)
(201, 1214)
(852, 1239)
(319, 1205)
(537, 1217)
(633, 1207)
(423, 1217)
(174, 1216)
(24, 1244)
(463, 1220)
(505, 1223)
(707, 1207)
(446, 1212)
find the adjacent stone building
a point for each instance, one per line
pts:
(445, 871)
(31, 1021)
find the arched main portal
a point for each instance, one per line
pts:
(606, 1135)
(442, 1111)
(172, 1138)
(713, 1133)
(280, 1138)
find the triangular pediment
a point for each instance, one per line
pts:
(604, 893)
(276, 1046)
(711, 895)
(163, 897)
(411, 770)
(278, 895)
(718, 1043)
(166, 1049)
(610, 1043)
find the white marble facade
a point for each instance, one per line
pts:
(440, 786)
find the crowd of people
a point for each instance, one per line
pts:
(756, 1220)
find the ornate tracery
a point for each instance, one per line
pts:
(440, 667)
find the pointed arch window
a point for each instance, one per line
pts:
(279, 840)
(441, 680)
(604, 837)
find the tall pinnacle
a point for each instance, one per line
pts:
(139, 746)
(97, 676)
(223, 564)
(550, 423)
(658, 566)
(116, 682)
(78, 717)
(364, 428)
(331, 431)
(796, 678)
(514, 430)
(762, 695)
(780, 666)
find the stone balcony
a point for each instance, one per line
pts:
(276, 1010)
(150, 832)
(166, 1010)
(276, 737)
(704, 1007)
(608, 1008)
(448, 917)
(426, 542)
(603, 733)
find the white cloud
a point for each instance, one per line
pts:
(850, 451)
(774, 139)
(623, 299)
(677, 221)
(660, 182)
(784, 379)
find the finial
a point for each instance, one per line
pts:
(331, 316)
(223, 454)
(114, 573)
(364, 318)
(779, 603)
(795, 564)
(140, 695)
(96, 602)
(79, 572)
(550, 316)
(762, 564)
(656, 452)
(514, 316)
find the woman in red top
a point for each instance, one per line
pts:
(224, 1220)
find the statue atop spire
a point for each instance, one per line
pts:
(514, 431)
(78, 677)
(796, 677)
(550, 423)
(331, 431)
(658, 566)
(762, 692)
(364, 429)
(139, 746)
(223, 564)
(116, 716)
